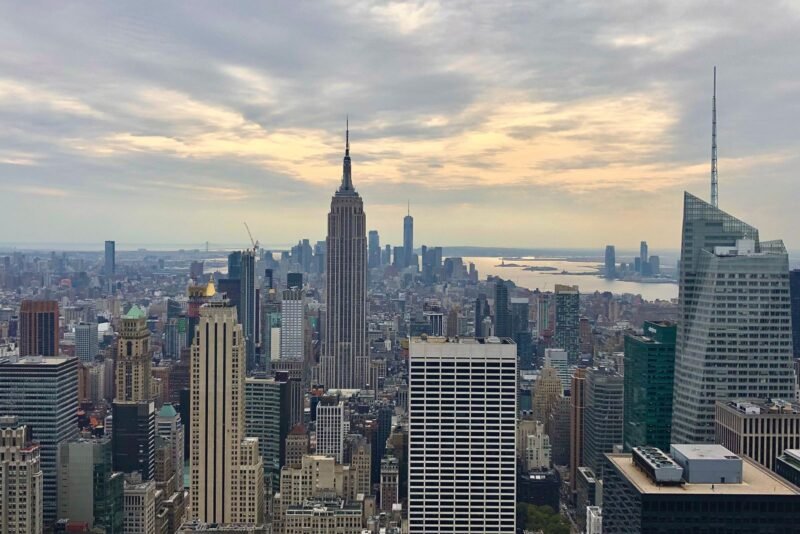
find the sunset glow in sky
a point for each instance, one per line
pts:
(529, 124)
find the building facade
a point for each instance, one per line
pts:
(227, 474)
(730, 284)
(330, 428)
(760, 429)
(38, 328)
(21, 479)
(43, 394)
(567, 320)
(345, 357)
(603, 416)
(267, 417)
(293, 325)
(449, 444)
(649, 381)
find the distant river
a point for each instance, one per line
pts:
(546, 280)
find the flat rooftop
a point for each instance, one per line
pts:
(492, 340)
(756, 480)
(39, 360)
(757, 406)
(704, 451)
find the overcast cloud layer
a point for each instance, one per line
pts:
(535, 123)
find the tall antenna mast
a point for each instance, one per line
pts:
(714, 184)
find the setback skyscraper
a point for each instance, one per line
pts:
(735, 337)
(227, 474)
(345, 359)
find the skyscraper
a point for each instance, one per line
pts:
(794, 291)
(86, 345)
(577, 405)
(21, 478)
(567, 327)
(502, 310)
(170, 427)
(227, 474)
(649, 382)
(133, 408)
(330, 428)
(603, 416)
(408, 239)
(645, 266)
(374, 249)
(345, 359)
(110, 262)
(292, 324)
(89, 490)
(735, 337)
(43, 394)
(38, 328)
(611, 262)
(267, 418)
(248, 305)
(462, 462)
(133, 357)
(481, 312)
(235, 265)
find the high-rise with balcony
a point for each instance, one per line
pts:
(734, 335)
(462, 435)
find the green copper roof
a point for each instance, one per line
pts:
(167, 410)
(135, 313)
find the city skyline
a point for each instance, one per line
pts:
(476, 123)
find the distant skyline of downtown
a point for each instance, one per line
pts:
(500, 127)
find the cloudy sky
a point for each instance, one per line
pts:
(533, 123)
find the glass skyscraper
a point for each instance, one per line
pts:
(649, 377)
(734, 338)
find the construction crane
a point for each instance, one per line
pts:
(249, 233)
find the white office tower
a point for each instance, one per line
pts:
(557, 359)
(538, 452)
(735, 333)
(227, 474)
(86, 343)
(462, 435)
(292, 324)
(330, 428)
(20, 479)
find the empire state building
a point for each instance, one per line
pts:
(345, 360)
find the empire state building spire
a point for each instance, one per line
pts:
(347, 179)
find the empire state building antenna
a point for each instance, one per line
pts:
(714, 177)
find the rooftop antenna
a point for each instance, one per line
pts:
(409, 207)
(714, 184)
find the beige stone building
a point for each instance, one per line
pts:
(227, 473)
(20, 479)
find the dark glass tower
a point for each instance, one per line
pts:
(502, 310)
(649, 376)
(110, 260)
(481, 312)
(794, 291)
(374, 249)
(247, 305)
(345, 359)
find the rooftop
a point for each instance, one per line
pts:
(492, 340)
(704, 451)
(40, 360)
(756, 406)
(135, 313)
(756, 480)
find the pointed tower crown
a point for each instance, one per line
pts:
(347, 179)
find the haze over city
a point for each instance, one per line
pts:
(513, 124)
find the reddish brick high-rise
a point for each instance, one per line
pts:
(38, 328)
